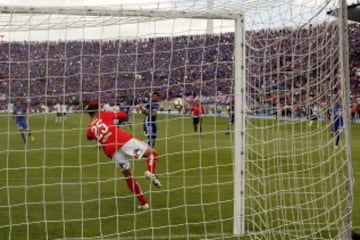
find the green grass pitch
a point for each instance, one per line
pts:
(61, 186)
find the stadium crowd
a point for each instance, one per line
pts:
(185, 66)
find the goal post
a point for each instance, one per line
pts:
(266, 162)
(345, 87)
(240, 126)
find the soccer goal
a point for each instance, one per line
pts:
(280, 168)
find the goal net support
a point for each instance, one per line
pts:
(279, 169)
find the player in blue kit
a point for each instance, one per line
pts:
(231, 120)
(150, 111)
(337, 122)
(20, 112)
(125, 107)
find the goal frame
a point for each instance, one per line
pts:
(239, 73)
(239, 126)
(121, 12)
(239, 173)
(345, 87)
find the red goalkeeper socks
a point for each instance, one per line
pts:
(151, 161)
(134, 187)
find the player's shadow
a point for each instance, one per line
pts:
(355, 235)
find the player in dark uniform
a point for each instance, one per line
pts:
(337, 122)
(125, 107)
(231, 117)
(150, 111)
(20, 112)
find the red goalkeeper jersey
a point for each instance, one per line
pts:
(103, 129)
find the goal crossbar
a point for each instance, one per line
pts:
(121, 12)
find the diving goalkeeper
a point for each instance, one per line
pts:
(119, 145)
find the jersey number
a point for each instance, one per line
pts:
(100, 129)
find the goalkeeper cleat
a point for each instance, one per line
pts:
(144, 207)
(154, 179)
(32, 138)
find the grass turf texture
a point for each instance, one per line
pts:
(62, 186)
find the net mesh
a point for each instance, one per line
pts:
(61, 186)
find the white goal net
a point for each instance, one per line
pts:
(269, 159)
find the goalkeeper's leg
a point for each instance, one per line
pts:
(134, 187)
(124, 165)
(151, 160)
(139, 149)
